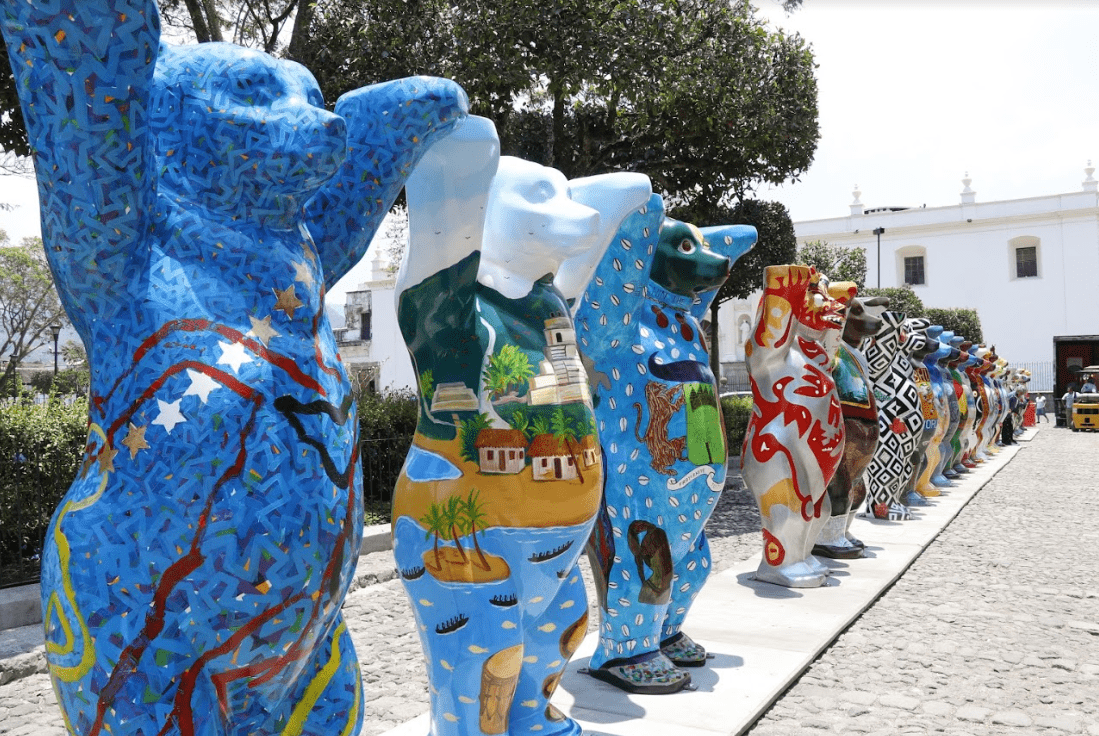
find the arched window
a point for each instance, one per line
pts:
(1025, 257)
(912, 265)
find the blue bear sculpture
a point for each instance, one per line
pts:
(194, 572)
(662, 436)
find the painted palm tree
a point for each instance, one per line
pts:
(565, 433)
(435, 523)
(453, 518)
(473, 514)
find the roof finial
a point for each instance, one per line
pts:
(969, 196)
(857, 206)
(1090, 184)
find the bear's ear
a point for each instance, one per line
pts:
(731, 241)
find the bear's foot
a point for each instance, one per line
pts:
(683, 651)
(795, 575)
(833, 543)
(899, 512)
(837, 551)
(912, 498)
(929, 491)
(651, 673)
(817, 565)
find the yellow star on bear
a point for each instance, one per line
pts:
(135, 440)
(287, 301)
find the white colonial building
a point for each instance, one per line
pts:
(1028, 266)
(370, 343)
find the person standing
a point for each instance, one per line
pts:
(1040, 409)
(1067, 399)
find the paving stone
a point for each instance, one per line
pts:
(1011, 718)
(972, 713)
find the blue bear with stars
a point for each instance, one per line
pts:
(196, 204)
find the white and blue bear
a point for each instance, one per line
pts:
(662, 437)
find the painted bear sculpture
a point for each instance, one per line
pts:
(795, 437)
(847, 489)
(503, 481)
(927, 484)
(899, 420)
(194, 572)
(663, 439)
(910, 494)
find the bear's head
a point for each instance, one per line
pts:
(238, 129)
(533, 224)
(684, 263)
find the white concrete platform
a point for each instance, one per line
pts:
(762, 636)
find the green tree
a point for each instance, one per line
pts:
(565, 433)
(468, 430)
(837, 262)
(506, 368)
(472, 516)
(454, 520)
(435, 523)
(901, 299)
(28, 302)
(701, 95)
(538, 425)
(964, 322)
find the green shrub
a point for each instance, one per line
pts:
(964, 322)
(40, 452)
(69, 382)
(387, 422)
(736, 410)
(901, 299)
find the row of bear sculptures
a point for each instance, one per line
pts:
(855, 403)
(196, 204)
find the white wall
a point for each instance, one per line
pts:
(969, 263)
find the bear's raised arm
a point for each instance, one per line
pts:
(784, 289)
(447, 200)
(83, 72)
(389, 127)
(604, 313)
(731, 241)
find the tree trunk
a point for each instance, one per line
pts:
(715, 359)
(458, 543)
(558, 144)
(213, 20)
(299, 37)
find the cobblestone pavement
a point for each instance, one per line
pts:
(994, 631)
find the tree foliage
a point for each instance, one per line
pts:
(700, 95)
(901, 299)
(28, 302)
(964, 322)
(837, 262)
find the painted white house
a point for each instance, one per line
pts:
(1028, 266)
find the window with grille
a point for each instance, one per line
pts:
(364, 326)
(1026, 262)
(913, 270)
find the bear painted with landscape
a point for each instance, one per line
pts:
(500, 489)
(795, 437)
(662, 436)
(194, 573)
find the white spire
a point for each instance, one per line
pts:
(857, 206)
(1090, 184)
(969, 196)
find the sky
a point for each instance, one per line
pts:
(912, 96)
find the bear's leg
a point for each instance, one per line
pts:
(324, 698)
(690, 575)
(635, 604)
(471, 634)
(550, 639)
